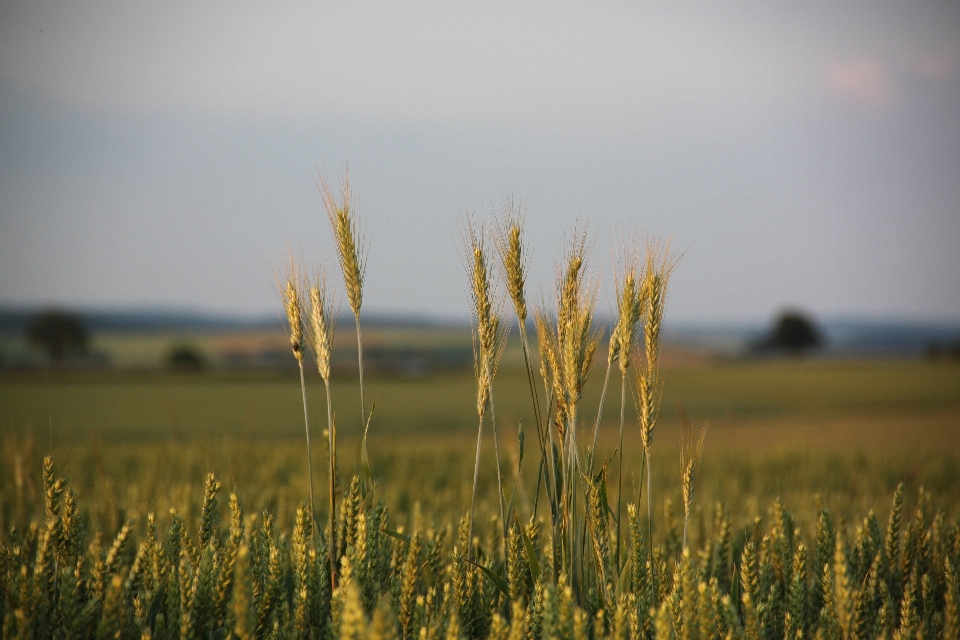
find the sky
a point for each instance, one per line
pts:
(797, 154)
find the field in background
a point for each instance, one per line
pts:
(783, 421)
(838, 403)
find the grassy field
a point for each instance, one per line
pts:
(775, 427)
(149, 406)
(789, 440)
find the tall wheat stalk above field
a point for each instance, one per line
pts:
(566, 354)
(658, 265)
(489, 341)
(630, 307)
(513, 267)
(322, 322)
(291, 291)
(351, 253)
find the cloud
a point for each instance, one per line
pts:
(864, 81)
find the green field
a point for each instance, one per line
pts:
(788, 418)
(787, 440)
(137, 407)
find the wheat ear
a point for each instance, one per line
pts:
(691, 452)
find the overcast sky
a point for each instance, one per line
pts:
(801, 154)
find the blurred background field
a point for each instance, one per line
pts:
(830, 403)
(138, 433)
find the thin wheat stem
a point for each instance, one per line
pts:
(364, 418)
(332, 446)
(473, 493)
(596, 427)
(496, 453)
(650, 526)
(363, 407)
(306, 425)
(623, 394)
(572, 525)
(536, 416)
(536, 495)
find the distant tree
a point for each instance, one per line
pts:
(58, 333)
(794, 332)
(185, 357)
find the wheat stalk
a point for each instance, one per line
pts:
(566, 349)
(513, 268)
(291, 291)
(623, 335)
(351, 253)
(630, 306)
(658, 266)
(489, 341)
(322, 323)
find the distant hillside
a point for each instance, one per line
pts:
(875, 337)
(14, 320)
(843, 337)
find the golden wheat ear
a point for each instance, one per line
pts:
(691, 453)
(508, 240)
(290, 285)
(321, 320)
(348, 236)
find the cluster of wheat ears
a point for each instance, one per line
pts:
(567, 340)
(358, 577)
